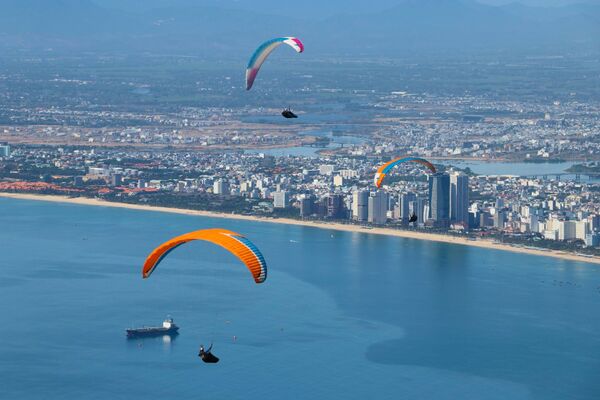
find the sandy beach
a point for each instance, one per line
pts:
(482, 243)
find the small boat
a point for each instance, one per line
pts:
(168, 328)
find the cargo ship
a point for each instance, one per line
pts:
(168, 328)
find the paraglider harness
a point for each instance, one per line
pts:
(287, 113)
(207, 356)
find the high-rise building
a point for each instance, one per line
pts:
(550, 234)
(280, 199)
(347, 206)
(307, 206)
(378, 204)
(474, 219)
(594, 222)
(499, 219)
(485, 219)
(534, 223)
(246, 186)
(4, 150)
(321, 208)
(396, 212)
(405, 205)
(360, 205)
(422, 209)
(592, 239)
(338, 180)
(116, 180)
(459, 198)
(220, 187)
(335, 206)
(567, 230)
(439, 202)
(582, 228)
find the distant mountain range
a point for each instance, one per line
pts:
(223, 27)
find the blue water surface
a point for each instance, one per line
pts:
(341, 316)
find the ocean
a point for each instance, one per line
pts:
(342, 315)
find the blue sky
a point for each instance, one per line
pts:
(539, 2)
(338, 4)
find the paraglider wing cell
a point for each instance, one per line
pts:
(233, 242)
(263, 51)
(385, 168)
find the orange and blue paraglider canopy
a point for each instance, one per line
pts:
(233, 242)
(385, 168)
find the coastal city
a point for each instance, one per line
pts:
(513, 165)
(228, 199)
(540, 210)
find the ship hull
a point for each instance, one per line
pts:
(150, 332)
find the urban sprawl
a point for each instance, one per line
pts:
(542, 211)
(201, 142)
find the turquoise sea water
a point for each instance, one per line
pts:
(342, 315)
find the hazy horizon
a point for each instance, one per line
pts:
(217, 29)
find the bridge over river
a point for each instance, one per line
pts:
(558, 176)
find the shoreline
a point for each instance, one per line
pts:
(434, 237)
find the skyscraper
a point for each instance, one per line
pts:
(405, 201)
(459, 198)
(378, 204)
(421, 209)
(335, 206)
(534, 223)
(439, 198)
(567, 230)
(307, 206)
(360, 204)
(280, 199)
(499, 219)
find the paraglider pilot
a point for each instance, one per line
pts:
(287, 113)
(207, 356)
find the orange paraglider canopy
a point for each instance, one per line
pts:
(385, 168)
(231, 241)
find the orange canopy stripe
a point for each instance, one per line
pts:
(231, 241)
(385, 168)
